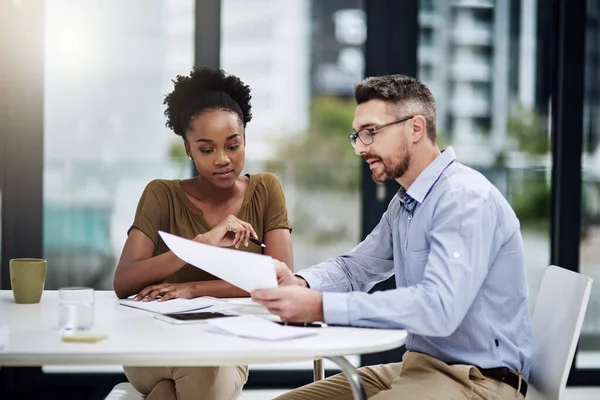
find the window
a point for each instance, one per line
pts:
(495, 128)
(588, 356)
(301, 133)
(108, 66)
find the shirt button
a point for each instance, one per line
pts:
(409, 217)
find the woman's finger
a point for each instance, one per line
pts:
(243, 233)
(237, 238)
(252, 232)
(169, 295)
(245, 236)
(155, 293)
(145, 291)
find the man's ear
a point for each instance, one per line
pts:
(419, 128)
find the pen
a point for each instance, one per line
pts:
(300, 324)
(257, 242)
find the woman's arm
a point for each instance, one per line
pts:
(137, 268)
(279, 246)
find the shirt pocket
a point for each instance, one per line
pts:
(417, 261)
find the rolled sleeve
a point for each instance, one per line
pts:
(371, 261)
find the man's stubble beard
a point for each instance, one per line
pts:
(397, 169)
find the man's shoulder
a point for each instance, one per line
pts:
(459, 178)
(463, 183)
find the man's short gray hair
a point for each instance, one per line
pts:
(403, 92)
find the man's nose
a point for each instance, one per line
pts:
(360, 148)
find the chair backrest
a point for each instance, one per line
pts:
(556, 325)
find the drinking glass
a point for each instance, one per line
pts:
(76, 308)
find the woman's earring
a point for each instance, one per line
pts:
(190, 158)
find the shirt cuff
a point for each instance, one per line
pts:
(308, 277)
(305, 281)
(335, 308)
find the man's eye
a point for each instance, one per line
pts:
(206, 151)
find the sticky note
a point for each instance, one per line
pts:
(83, 337)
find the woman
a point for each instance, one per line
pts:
(209, 110)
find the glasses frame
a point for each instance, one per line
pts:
(370, 132)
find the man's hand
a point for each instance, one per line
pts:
(167, 291)
(285, 277)
(292, 303)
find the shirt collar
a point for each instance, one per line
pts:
(424, 182)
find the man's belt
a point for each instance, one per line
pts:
(507, 376)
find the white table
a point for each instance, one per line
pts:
(135, 338)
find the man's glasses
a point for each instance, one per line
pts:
(366, 135)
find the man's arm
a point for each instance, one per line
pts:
(370, 262)
(461, 243)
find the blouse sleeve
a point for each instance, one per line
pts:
(150, 211)
(276, 216)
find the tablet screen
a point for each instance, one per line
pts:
(198, 316)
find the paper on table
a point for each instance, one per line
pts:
(4, 333)
(173, 305)
(245, 306)
(243, 301)
(247, 271)
(252, 327)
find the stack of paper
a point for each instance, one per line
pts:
(4, 333)
(173, 305)
(252, 327)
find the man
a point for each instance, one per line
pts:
(454, 245)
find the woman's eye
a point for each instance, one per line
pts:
(206, 151)
(233, 147)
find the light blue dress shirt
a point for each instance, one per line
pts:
(455, 247)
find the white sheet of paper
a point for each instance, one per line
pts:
(173, 305)
(244, 301)
(250, 326)
(4, 334)
(247, 271)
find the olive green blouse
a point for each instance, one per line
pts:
(164, 206)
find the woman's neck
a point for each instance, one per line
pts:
(207, 193)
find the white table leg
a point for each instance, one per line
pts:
(358, 390)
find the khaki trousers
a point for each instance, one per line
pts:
(187, 383)
(417, 377)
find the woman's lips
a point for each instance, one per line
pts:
(224, 174)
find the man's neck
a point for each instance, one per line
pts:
(421, 160)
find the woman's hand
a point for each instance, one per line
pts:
(232, 231)
(167, 291)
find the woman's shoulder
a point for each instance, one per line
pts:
(162, 187)
(265, 179)
(266, 188)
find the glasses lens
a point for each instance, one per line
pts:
(352, 138)
(365, 137)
